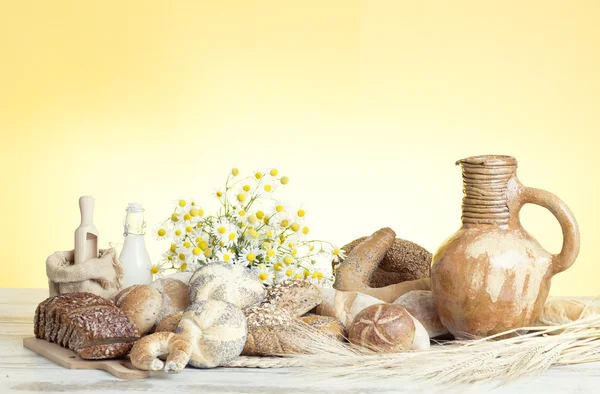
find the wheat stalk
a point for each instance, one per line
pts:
(456, 362)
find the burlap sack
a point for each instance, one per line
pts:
(102, 276)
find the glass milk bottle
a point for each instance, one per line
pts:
(134, 257)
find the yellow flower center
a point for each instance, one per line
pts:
(278, 266)
(317, 275)
(187, 217)
(200, 212)
(260, 214)
(232, 236)
(189, 229)
(253, 233)
(306, 273)
(274, 172)
(258, 175)
(175, 217)
(289, 273)
(235, 172)
(181, 256)
(269, 234)
(250, 257)
(203, 245)
(335, 252)
(242, 213)
(154, 270)
(266, 245)
(284, 180)
(170, 258)
(279, 208)
(301, 213)
(182, 203)
(241, 197)
(270, 253)
(178, 232)
(298, 276)
(226, 257)
(246, 188)
(294, 252)
(173, 248)
(187, 245)
(284, 223)
(288, 260)
(194, 212)
(263, 276)
(208, 252)
(221, 230)
(252, 219)
(222, 243)
(305, 230)
(196, 251)
(183, 267)
(295, 227)
(268, 188)
(162, 232)
(219, 193)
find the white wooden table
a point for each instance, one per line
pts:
(22, 371)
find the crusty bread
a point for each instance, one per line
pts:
(269, 331)
(557, 312)
(420, 304)
(169, 323)
(217, 331)
(91, 326)
(175, 296)
(145, 352)
(344, 305)
(226, 282)
(327, 325)
(142, 304)
(296, 296)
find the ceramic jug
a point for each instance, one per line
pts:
(491, 275)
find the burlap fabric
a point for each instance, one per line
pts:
(102, 276)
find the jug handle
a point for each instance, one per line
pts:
(568, 224)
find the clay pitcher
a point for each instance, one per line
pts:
(491, 275)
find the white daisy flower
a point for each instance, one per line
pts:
(219, 193)
(179, 233)
(226, 255)
(265, 274)
(157, 269)
(160, 231)
(231, 237)
(185, 247)
(337, 254)
(220, 228)
(241, 215)
(181, 204)
(250, 256)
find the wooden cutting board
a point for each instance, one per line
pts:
(68, 359)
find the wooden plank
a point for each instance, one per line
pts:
(68, 359)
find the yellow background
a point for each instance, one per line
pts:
(364, 105)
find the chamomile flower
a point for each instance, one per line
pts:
(288, 272)
(181, 204)
(226, 255)
(161, 231)
(337, 254)
(220, 228)
(249, 256)
(157, 269)
(267, 187)
(185, 247)
(219, 193)
(179, 233)
(241, 215)
(265, 274)
(230, 237)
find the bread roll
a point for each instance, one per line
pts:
(296, 296)
(269, 331)
(175, 296)
(142, 304)
(227, 282)
(169, 323)
(558, 312)
(387, 328)
(344, 305)
(420, 304)
(327, 325)
(217, 331)
(145, 352)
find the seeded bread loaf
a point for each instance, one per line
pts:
(269, 331)
(226, 282)
(296, 296)
(90, 325)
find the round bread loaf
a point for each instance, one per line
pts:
(387, 328)
(175, 296)
(169, 323)
(296, 296)
(142, 304)
(270, 331)
(327, 325)
(420, 304)
(227, 282)
(217, 331)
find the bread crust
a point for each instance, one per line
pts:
(142, 304)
